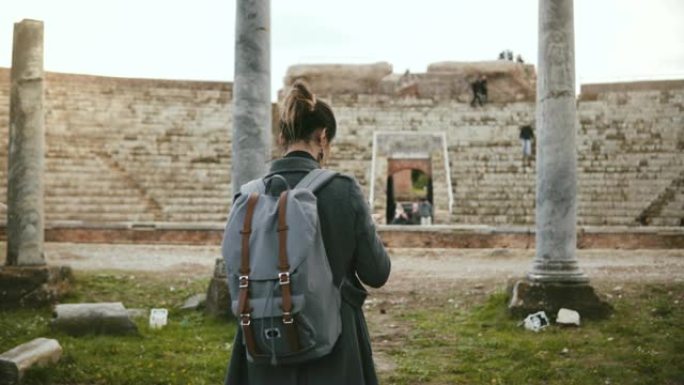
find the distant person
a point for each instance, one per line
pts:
(502, 55)
(476, 87)
(425, 213)
(519, 59)
(526, 136)
(484, 93)
(509, 55)
(415, 213)
(400, 216)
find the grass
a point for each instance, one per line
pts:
(191, 349)
(643, 343)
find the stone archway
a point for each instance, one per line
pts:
(401, 183)
(396, 151)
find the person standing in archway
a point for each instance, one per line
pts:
(425, 212)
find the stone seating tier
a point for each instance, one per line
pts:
(144, 150)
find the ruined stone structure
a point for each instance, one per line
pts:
(132, 150)
(138, 150)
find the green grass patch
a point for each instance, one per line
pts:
(643, 343)
(191, 349)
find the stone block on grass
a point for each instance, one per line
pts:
(38, 352)
(93, 318)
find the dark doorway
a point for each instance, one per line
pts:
(406, 188)
(391, 204)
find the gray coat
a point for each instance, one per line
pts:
(356, 255)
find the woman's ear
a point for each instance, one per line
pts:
(323, 139)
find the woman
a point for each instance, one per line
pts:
(355, 253)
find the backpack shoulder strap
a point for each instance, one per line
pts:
(316, 179)
(257, 185)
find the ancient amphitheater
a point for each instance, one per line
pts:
(139, 151)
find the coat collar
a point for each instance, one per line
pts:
(293, 164)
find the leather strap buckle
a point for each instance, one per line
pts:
(244, 281)
(284, 278)
(287, 318)
(245, 319)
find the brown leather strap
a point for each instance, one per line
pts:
(246, 232)
(284, 276)
(243, 299)
(283, 266)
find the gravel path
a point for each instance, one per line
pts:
(409, 266)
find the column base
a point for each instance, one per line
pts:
(527, 296)
(33, 286)
(218, 295)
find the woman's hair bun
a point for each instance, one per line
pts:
(301, 114)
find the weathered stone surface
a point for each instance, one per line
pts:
(218, 296)
(333, 79)
(25, 220)
(556, 210)
(38, 352)
(629, 146)
(194, 302)
(506, 81)
(93, 318)
(33, 286)
(137, 313)
(526, 297)
(252, 91)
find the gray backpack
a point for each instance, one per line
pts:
(278, 273)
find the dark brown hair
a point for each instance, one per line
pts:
(302, 114)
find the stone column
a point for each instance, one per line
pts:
(556, 218)
(251, 91)
(555, 281)
(26, 280)
(26, 143)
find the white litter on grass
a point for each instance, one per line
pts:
(536, 321)
(568, 317)
(158, 318)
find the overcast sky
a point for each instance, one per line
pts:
(616, 40)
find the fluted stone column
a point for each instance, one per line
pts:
(26, 143)
(251, 91)
(556, 218)
(555, 281)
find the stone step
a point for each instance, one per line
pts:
(100, 217)
(78, 207)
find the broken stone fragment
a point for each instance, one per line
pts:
(93, 318)
(194, 302)
(568, 317)
(38, 352)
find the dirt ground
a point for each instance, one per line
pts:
(411, 268)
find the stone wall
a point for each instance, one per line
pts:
(132, 149)
(136, 150)
(630, 152)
